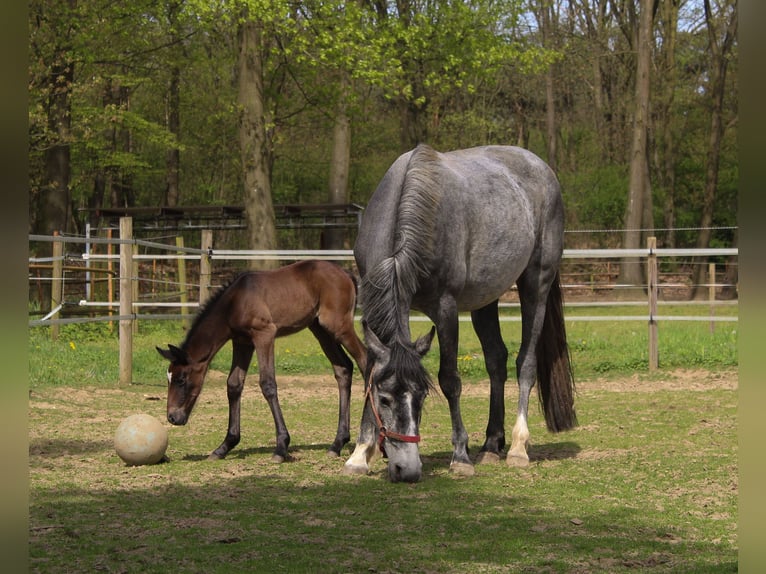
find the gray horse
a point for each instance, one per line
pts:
(450, 232)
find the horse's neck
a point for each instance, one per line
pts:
(205, 338)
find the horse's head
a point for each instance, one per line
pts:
(398, 385)
(185, 378)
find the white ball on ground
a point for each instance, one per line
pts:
(141, 439)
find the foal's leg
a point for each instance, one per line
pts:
(240, 361)
(487, 327)
(264, 347)
(343, 368)
(532, 296)
(450, 384)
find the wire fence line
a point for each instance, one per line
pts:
(167, 252)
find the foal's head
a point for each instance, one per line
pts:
(398, 387)
(185, 378)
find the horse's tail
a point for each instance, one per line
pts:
(554, 370)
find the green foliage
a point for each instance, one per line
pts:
(595, 198)
(472, 73)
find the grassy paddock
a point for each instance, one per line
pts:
(648, 482)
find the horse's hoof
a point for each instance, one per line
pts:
(462, 469)
(487, 457)
(214, 456)
(517, 461)
(332, 454)
(352, 469)
(277, 458)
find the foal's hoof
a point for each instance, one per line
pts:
(332, 454)
(215, 456)
(353, 469)
(487, 457)
(517, 461)
(462, 469)
(277, 458)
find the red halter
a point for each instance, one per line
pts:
(383, 432)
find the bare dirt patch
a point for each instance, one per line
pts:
(306, 386)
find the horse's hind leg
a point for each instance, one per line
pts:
(487, 327)
(241, 356)
(533, 293)
(343, 369)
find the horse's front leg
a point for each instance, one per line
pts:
(268, 381)
(359, 461)
(451, 385)
(241, 356)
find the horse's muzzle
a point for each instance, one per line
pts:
(408, 473)
(177, 417)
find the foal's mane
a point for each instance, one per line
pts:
(207, 308)
(388, 288)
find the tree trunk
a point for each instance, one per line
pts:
(332, 238)
(664, 125)
(173, 121)
(55, 196)
(631, 270)
(256, 155)
(719, 53)
(173, 156)
(545, 21)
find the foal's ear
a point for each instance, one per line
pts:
(423, 344)
(174, 354)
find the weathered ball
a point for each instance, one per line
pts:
(141, 439)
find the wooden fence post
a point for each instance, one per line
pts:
(182, 280)
(109, 280)
(711, 294)
(652, 279)
(134, 285)
(57, 283)
(126, 301)
(206, 244)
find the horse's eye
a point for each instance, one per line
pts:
(385, 401)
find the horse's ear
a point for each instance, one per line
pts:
(423, 344)
(165, 354)
(374, 344)
(174, 355)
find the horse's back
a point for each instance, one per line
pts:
(290, 297)
(474, 218)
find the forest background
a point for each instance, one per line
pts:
(257, 102)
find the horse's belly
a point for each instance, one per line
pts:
(488, 278)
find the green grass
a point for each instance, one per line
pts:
(647, 482)
(87, 353)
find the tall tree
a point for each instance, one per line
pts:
(53, 30)
(664, 125)
(340, 163)
(639, 191)
(721, 23)
(255, 148)
(546, 15)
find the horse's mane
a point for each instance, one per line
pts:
(208, 306)
(387, 289)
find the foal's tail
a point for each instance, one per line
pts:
(554, 371)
